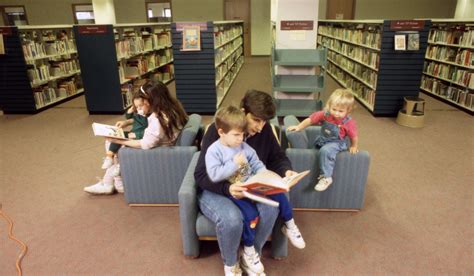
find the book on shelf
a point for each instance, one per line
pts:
(108, 131)
(268, 183)
(2, 45)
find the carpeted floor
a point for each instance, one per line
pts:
(417, 218)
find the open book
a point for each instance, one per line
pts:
(268, 183)
(108, 131)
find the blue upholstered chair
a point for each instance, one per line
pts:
(196, 227)
(153, 177)
(350, 174)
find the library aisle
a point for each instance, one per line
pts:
(416, 218)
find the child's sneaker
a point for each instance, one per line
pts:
(323, 184)
(116, 170)
(108, 162)
(294, 235)
(100, 189)
(118, 184)
(233, 270)
(251, 263)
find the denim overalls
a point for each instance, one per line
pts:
(329, 144)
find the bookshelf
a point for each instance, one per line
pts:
(302, 84)
(203, 78)
(39, 69)
(448, 72)
(361, 56)
(117, 59)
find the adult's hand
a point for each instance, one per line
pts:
(236, 190)
(289, 173)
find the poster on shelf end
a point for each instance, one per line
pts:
(191, 38)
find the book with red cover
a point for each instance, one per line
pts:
(268, 183)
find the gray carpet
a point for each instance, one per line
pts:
(417, 218)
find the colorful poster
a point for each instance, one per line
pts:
(191, 38)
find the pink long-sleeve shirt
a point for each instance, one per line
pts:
(349, 128)
(155, 134)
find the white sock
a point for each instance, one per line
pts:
(108, 179)
(290, 223)
(249, 250)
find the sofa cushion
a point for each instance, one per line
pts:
(190, 130)
(297, 139)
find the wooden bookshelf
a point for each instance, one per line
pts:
(448, 72)
(203, 78)
(117, 59)
(40, 68)
(361, 57)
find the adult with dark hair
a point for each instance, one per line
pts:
(166, 118)
(213, 198)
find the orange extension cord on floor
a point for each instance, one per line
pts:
(10, 235)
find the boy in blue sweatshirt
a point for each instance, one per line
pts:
(230, 158)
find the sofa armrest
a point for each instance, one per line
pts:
(188, 210)
(153, 176)
(349, 176)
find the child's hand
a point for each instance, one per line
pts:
(132, 135)
(353, 150)
(293, 128)
(121, 124)
(236, 190)
(131, 109)
(240, 159)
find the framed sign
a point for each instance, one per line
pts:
(191, 38)
(400, 42)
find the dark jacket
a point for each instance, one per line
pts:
(264, 143)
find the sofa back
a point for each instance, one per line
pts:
(188, 135)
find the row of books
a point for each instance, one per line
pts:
(455, 94)
(459, 56)
(133, 68)
(225, 66)
(455, 36)
(59, 68)
(224, 52)
(360, 90)
(133, 45)
(224, 86)
(38, 74)
(224, 33)
(362, 72)
(451, 73)
(34, 50)
(365, 56)
(369, 37)
(45, 95)
(45, 72)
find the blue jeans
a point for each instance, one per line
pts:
(327, 157)
(229, 224)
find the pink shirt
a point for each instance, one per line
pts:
(348, 129)
(154, 134)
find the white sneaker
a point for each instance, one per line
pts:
(108, 162)
(294, 235)
(251, 263)
(323, 184)
(118, 184)
(100, 189)
(233, 270)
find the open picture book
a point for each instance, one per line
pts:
(268, 183)
(108, 131)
